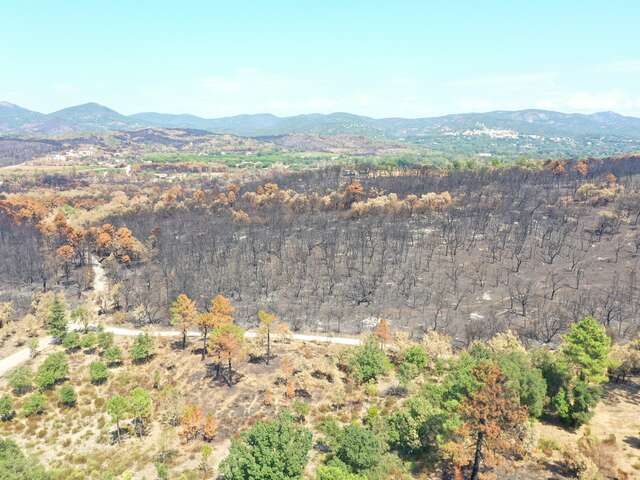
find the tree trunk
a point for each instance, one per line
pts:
(230, 373)
(184, 339)
(204, 344)
(118, 429)
(478, 457)
(268, 344)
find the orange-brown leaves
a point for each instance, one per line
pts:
(209, 428)
(221, 310)
(383, 332)
(492, 409)
(66, 253)
(195, 424)
(582, 167)
(557, 168)
(191, 422)
(183, 312)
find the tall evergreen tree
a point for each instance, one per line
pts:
(587, 347)
(57, 320)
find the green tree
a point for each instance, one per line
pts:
(67, 395)
(275, 450)
(6, 408)
(34, 404)
(368, 361)
(98, 372)
(142, 348)
(118, 409)
(424, 423)
(587, 347)
(359, 448)
(524, 380)
(57, 319)
(573, 375)
(141, 408)
(21, 380)
(53, 370)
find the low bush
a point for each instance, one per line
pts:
(34, 404)
(98, 372)
(67, 396)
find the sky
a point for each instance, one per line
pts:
(377, 58)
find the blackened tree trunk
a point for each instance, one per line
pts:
(478, 457)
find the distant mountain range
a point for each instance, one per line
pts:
(92, 117)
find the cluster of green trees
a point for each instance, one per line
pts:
(55, 368)
(22, 380)
(137, 406)
(456, 408)
(14, 465)
(485, 397)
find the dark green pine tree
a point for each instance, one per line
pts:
(57, 321)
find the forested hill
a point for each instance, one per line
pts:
(92, 117)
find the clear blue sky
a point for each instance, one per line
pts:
(391, 58)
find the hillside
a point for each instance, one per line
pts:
(502, 135)
(94, 117)
(355, 320)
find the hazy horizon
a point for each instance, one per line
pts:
(478, 112)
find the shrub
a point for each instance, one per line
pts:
(105, 340)
(407, 371)
(113, 355)
(88, 341)
(71, 341)
(21, 380)
(301, 409)
(53, 370)
(368, 362)
(417, 356)
(34, 404)
(579, 465)
(333, 472)
(67, 395)
(162, 470)
(98, 372)
(143, 348)
(6, 408)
